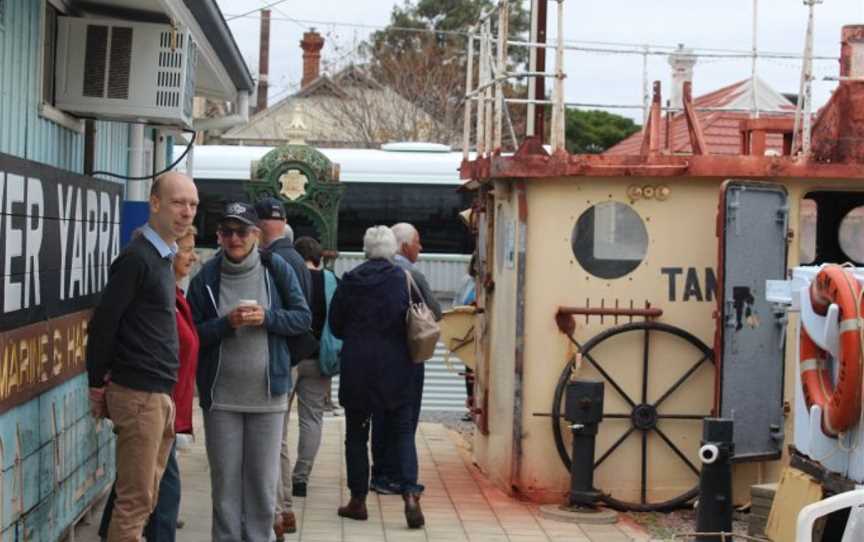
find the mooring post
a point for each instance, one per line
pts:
(584, 410)
(714, 512)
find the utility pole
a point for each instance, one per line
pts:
(263, 61)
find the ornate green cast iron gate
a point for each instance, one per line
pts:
(307, 182)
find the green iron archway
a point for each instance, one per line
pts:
(318, 200)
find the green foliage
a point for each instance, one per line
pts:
(444, 16)
(592, 132)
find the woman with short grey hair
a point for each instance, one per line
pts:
(379, 242)
(368, 314)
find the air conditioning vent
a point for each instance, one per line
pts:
(121, 63)
(125, 71)
(97, 56)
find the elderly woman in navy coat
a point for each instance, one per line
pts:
(368, 314)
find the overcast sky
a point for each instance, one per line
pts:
(600, 78)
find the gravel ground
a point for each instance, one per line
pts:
(452, 421)
(664, 525)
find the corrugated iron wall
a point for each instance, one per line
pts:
(444, 388)
(444, 272)
(53, 459)
(23, 132)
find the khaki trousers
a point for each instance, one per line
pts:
(144, 425)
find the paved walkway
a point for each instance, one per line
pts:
(459, 504)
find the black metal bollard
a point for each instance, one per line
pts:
(714, 512)
(584, 410)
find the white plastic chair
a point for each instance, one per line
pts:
(854, 528)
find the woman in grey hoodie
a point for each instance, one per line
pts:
(244, 304)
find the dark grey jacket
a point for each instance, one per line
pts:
(285, 248)
(304, 345)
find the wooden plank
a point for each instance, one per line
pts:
(794, 491)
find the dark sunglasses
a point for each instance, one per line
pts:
(227, 233)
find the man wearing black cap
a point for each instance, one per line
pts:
(309, 384)
(272, 221)
(245, 303)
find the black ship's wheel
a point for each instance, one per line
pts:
(645, 416)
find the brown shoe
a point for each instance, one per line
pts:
(279, 528)
(355, 509)
(413, 514)
(289, 522)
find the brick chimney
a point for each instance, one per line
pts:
(838, 132)
(311, 45)
(682, 61)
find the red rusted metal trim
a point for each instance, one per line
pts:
(649, 312)
(581, 165)
(654, 121)
(694, 129)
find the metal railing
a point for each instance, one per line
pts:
(488, 91)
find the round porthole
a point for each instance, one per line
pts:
(851, 235)
(609, 240)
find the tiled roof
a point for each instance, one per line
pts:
(720, 128)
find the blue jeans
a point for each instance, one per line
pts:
(385, 461)
(400, 429)
(162, 525)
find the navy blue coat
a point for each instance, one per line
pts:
(368, 314)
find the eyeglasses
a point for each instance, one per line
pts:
(227, 233)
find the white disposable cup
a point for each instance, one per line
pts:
(248, 302)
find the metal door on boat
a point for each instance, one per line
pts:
(752, 230)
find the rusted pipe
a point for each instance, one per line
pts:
(650, 312)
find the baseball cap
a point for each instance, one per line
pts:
(270, 208)
(241, 211)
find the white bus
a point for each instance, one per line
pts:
(416, 183)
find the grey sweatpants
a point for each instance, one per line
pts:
(311, 391)
(243, 451)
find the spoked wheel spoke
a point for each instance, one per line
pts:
(680, 381)
(677, 450)
(612, 448)
(643, 490)
(609, 379)
(643, 416)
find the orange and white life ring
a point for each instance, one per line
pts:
(840, 404)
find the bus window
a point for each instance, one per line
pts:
(433, 209)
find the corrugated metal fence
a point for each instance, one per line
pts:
(444, 388)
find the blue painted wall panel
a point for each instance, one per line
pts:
(23, 132)
(63, 460)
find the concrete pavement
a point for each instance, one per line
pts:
(459, 503)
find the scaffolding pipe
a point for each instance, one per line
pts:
(641, 51)
(801, 130)
(753, 83)
(639, 106)
(487, 114)
(469, 76)
(532, 67)
(481, 105)
(646, 92)
(557, 134)
(495, 78)
(503, 28)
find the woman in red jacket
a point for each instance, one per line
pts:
(162, 525)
